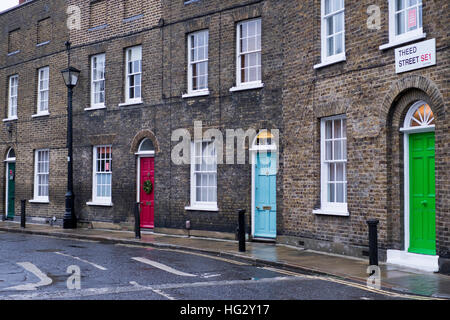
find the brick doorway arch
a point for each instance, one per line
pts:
(402, 96)
(145, 175)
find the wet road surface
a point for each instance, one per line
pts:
(43, 268)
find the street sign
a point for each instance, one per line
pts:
(415, 56)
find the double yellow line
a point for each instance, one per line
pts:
(352, 284)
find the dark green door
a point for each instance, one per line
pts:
(422, 194)
(11, 175)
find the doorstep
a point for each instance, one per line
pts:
(417, 261)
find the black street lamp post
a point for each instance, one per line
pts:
(70, 76)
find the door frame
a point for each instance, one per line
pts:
(7, 161)
(255, 149)
(407, 130)
(142, 154)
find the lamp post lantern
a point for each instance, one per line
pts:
(70, 76)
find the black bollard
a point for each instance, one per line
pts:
(22, 213)
(241, 230)
(373, 242)
(137, 221)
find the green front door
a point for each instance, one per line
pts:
(11, 184)
(422, 194)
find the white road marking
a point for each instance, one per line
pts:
(210, 275)
(134, 287)
(85, 261)
(186, 252)
(44, 280)
(163, 294)
(163, 267)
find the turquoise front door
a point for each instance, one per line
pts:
(265, 195)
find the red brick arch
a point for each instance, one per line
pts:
(400, 97)
(140, 136)
(411, 82)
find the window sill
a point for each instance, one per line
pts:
(38, 201)
(102, 204)
(95, 108)
(330, 62)
(400, 42)
(196, 94)
(13, 53)
(10, 119)
(43, 114)
(331, 212)
(103, 26)
(42, 43)
(247, 87)
(131, 103)
(201, 208)
(133, 18)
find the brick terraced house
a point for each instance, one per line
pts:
(354, 95)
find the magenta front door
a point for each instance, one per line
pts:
(147, 192)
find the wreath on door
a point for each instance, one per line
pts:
(148, 186)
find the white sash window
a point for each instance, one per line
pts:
(41, 174)
(43, 89)
(133, 74)
(332, 32)
(98, 81)
(198, 62)
(248, 57)
(333, 166)
(12, 96)
(101, 189)
(203, 176)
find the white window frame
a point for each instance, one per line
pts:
(12, 106)
(335, 58)
(408, 36)
(248, 84)
(98, 200)
(128, 75)
(330, 208)
(204, 91)
(97, 60)
(200, 205)
(37, 173)
(45, 71)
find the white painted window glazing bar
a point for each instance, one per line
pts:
(333, 28)
(98, 80)
(41, 178)
(249, 52)
(133, 74)
(43, 90)
(198, 61)
(408, 16)
(13, 93)
(204, 174)
(102, 174)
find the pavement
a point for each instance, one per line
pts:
(396, 278)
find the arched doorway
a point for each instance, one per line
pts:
(419, 175)
(10, 183)
(146, 182)
(264, 181)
